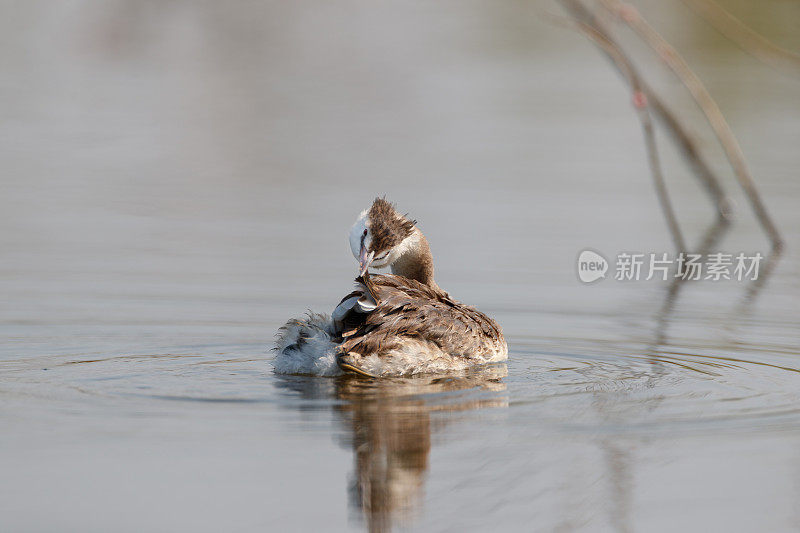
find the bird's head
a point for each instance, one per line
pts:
(380, 235)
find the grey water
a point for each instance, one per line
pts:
(178, 179)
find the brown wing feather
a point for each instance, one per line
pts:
(410, 309)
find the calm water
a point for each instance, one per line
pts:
(178, 179)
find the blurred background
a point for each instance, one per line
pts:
(178, 178)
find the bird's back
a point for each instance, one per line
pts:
(392, 324)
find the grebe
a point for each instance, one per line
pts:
(392, 324)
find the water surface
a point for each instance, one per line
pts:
(178, 180)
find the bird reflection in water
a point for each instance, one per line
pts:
(389, 423)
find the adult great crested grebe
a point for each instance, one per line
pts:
(393, 324)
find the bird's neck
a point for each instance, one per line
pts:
(415, 261)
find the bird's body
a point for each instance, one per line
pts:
(413, 328)
(395, 324)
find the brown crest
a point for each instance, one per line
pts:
(387, 226)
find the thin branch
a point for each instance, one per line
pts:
(674, 127)
(750, 41)
(631, 16)
(688, 145)
(640, 103)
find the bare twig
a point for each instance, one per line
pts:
(640, 103)
(751, 42)
(673, 126)
(593, 26)
(631, 16)
(688, 146)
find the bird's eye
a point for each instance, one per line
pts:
(365, 232)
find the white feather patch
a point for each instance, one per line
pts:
(305, 347)
(366, 304)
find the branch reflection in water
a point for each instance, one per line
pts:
(389, 423)
(710, 238)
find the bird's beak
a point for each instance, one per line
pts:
(364, 260)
